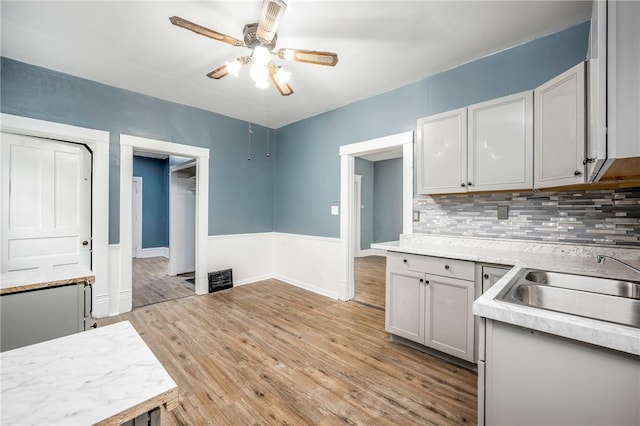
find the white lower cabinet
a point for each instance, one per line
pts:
(534, 378)
(429, 301)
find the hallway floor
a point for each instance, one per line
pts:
(151, 284)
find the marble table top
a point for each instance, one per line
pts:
(558, 257)
(107, 376)
(33, 279)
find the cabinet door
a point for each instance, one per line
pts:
(533, 378)
(35, 316)
(560, 130)
(491, 275)
(501, 144)
(449, 324)
(442, 153)
(405, 305)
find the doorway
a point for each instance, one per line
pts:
(163, 228)
(129, 145)
(348, 154)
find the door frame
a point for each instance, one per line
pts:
(348, 153)
(137, 207)
(357, 216)
(98, 142)
(127, 145)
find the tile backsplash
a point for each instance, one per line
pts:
(610, 216)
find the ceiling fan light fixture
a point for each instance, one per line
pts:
(259, 74)
(233, 67)
(262, 84)
(261, 55)
(282, 76)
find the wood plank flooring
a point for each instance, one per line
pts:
(151, 284)
(370, 278)
(272, 353)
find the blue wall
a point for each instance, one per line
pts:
(387, 200)
(293, 190)
(240, 191)
(155, 200)
(308, 166)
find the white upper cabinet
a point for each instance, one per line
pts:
(442, 153)
(500, 141)
(492, 152)
(560, 130)
(614, 89)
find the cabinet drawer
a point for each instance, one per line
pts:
(453, 268)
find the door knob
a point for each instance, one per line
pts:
(85, 243)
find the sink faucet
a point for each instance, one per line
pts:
(601, 257)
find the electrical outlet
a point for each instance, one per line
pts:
(416, 215)
(503, 212)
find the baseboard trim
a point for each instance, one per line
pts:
(154, 252)
(310, 287)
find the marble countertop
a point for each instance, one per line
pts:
(107, 376)
(556, 257)
(33, 279)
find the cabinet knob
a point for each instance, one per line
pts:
(469, 183)
(463, 184)
(486, 276)
(577, 173)
(85, 243)
(446, 267)
(404, 260)
(421, 280)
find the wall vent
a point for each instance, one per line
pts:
(220, 280)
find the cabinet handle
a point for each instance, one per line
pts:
(421, 280)
(404, 260)
(446, 267)
(426, 281)
(486, 276)
(469, 183)
(588, 161)
(463, 184)
(577, 173)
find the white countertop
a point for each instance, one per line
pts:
(32, 279)
(568, 258)
(82, 379)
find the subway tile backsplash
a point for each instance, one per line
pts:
(608, 216)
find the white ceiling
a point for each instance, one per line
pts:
(381, 45)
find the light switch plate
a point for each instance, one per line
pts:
(503, 212)
(416, 215)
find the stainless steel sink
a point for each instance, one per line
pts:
(598, 298)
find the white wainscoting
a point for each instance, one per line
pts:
(304, 261)
(309, 262)
(251, 256)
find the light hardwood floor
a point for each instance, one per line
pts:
(151, 284)
(271, 353)
(370, 278)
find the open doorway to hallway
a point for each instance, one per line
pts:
(163, 228)
(378, 218)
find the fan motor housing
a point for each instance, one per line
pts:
(252, 40)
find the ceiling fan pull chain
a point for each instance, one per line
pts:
(268, 153)
(250, 132)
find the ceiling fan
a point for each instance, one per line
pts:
(261, 37)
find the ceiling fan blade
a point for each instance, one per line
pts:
(219, 72)
(283, 88)
(309, 56)
(272, 11)
(198, 29)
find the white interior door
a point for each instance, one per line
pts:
(46, 203)
(136, 217)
